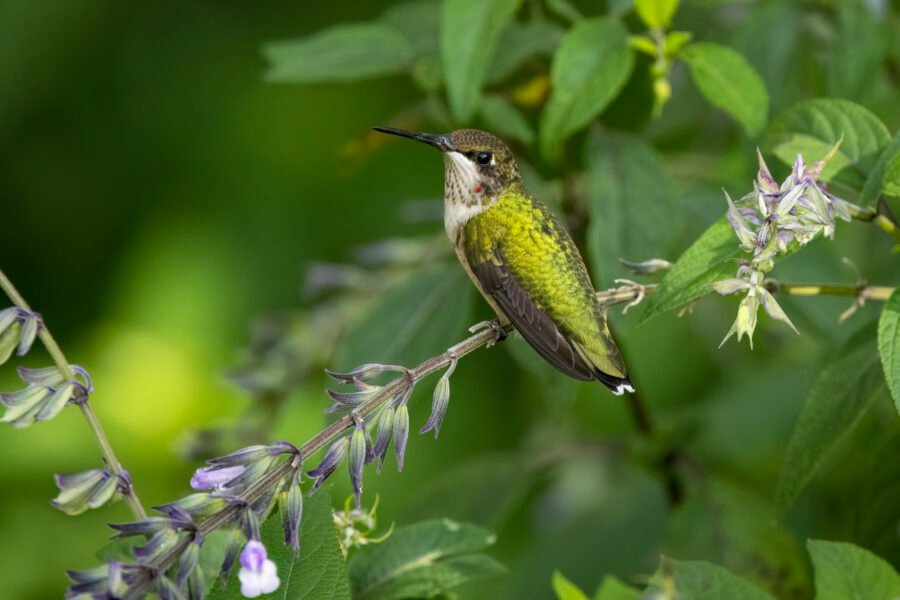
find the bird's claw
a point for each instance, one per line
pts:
(495, 326)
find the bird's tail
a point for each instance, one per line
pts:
(608, 367)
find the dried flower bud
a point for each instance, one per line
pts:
(81, 491)
(363, 372)
(187, 562)
(647, 267)
(30, 328)
(330, 462)
(385, 427)
(775, 311)
(439, 403)
(400, 433)
(158, 543)
(292, 514)
(357, 459)
(746, 319)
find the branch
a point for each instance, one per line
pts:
(880, 216)
(90, 416)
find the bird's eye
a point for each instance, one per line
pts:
(483, 158)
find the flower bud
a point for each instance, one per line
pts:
(400, 433)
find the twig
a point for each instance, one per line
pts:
(90, 416)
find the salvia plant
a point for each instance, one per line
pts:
(552, 77)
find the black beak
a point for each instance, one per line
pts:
(441, 142)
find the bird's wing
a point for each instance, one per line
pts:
(539, 280)
(535, 325)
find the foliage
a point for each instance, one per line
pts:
(629, 118)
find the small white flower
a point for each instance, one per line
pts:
(258, 574)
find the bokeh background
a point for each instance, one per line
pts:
(158, 196)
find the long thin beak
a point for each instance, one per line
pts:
(441, 142)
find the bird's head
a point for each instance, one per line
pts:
(478, 166)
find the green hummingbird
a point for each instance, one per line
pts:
(521, 258)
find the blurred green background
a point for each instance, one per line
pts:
(157, 196)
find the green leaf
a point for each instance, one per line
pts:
(470, 30)
(418, 317)
(613, 589)
(520, 43)
(319, 574)
(483, 491)
(729, 82)
(656, 14)
(339, 54)
(565, 589)
(419, 22)
(891, 182)
(889, 344)
(812, 127)
(706, 261)
(734, 528)
(503, 118)
(422, 560)
(698, 580)
(885, 175)
(564, 10)
(588, 71)
(843, 392)
(857, 50)
(848, 572)
(630, 201)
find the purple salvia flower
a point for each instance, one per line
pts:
(400, 433)
(258, 574)
(208, 478)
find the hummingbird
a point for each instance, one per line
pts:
(521, 258)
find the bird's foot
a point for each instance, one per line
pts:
(495, 326)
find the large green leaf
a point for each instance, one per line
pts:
(483, 491)
(698, 580)
(630, 201)
(565, 589)
(341, 53)
(520, 43)
(590, 67)
(692, 276)
(889, 344)
(422, 560)
(419, 21)
(885, 175)
(320, 572)
(470, 30)
(848, 572)
(729, 82)
(857, 50)
(613, 589)
(419, 317)
(843, 392)
(734, 528)
(812, 127)
(656, 13)
(503, 118)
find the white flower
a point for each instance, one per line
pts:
(258, 574)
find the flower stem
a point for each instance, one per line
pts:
(90, 416)
(879, 216)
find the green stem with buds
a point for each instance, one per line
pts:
(877, 216)
(90, 416)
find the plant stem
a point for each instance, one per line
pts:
(879, 216)
(90, 416)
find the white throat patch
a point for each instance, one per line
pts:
(464, 196)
